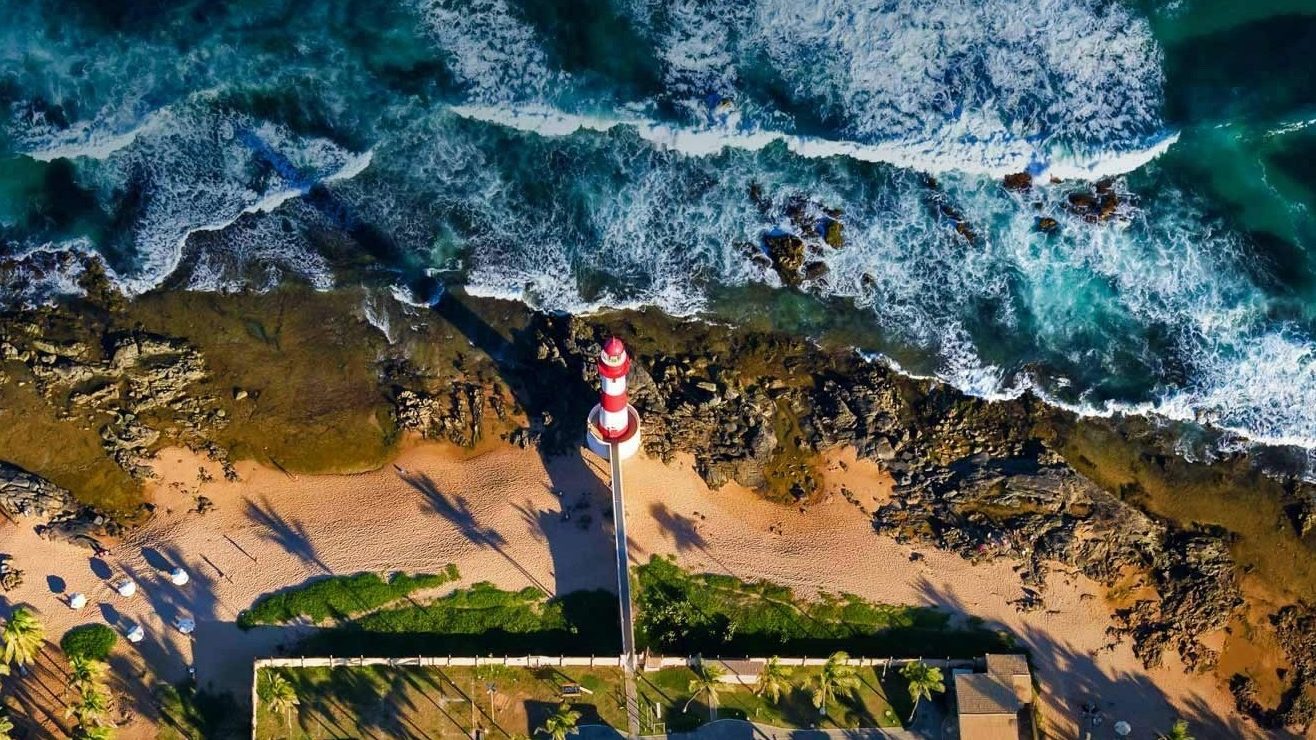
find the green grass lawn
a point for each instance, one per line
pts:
(340, 597)
(878, 702)
(685, 613)
(437, 702)
(381, 701)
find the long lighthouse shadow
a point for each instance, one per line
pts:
(556, 399)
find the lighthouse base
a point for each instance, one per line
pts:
(627, 444)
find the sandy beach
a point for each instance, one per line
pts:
(498, 516)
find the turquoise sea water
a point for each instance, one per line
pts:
(580, 155)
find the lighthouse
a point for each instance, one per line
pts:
(613, 423)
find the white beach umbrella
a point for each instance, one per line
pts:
(1123, 728)
(179, 577)
(77, 601)
(126, 587)
(136, 633)
(184, 625)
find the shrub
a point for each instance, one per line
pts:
(339, 597)
(94, 641)
(686, 612)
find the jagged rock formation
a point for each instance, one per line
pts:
(23, 494)
(27, 496)
(131, 377)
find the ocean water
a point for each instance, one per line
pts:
(585, 154)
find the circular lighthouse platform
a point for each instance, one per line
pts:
(627, 444)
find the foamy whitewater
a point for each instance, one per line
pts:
(626, 153)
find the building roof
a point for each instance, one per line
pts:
(1007, 666)
(983, 693)
(613, 347)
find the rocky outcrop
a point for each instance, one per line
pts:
(1020, 181)
(972, 476)
(23, 494)
(10, 576)
(1100, 204)
(1195, 577)
(458, 415)
(60, 517)
(130, 377)
(796, 254)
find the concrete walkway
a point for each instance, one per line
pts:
(624, 594)
(736, 729)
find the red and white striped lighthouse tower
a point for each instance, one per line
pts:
(613, 421)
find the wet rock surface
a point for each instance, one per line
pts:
(137, 387)
(983, 479)
(24, 496)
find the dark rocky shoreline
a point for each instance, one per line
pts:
(1005, 479)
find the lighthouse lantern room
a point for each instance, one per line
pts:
(613, 423)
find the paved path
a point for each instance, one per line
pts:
(624, 593)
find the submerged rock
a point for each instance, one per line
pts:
(1019, 181)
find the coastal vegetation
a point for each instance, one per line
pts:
(400, 701)
(560, 723)
(864, 697)
(340, 597)
(93, 641)
(480, 620)
(687, 613)
(21, 639)
(513, 701)
(187, 713)
(924, 681)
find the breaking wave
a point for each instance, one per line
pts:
(451, 141)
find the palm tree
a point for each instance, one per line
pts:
(1178, 731)
(279, 695)
(706, 683)
(774, 679)
(23, 637)
(85, 673)
(560, 723)
(6, 727)
(836, 675)
(90, 709)
(923, 680)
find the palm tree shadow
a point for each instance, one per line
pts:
(288, 534)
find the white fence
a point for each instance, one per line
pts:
(651, 663)
(524, 661)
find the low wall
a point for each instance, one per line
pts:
(524, 661)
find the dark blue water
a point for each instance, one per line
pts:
(582, 155)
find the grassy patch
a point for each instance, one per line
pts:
(93, 641)
(188, 714)
(339, 597)
(687, 613)
(877, 702)
(482, 620)
(378, 701)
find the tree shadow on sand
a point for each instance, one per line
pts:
(1091, 699)
(556, 398)
(288, 534)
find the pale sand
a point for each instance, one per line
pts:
(496, 517)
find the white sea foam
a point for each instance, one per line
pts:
(88, 140)
(495, 54)
(195, 172)
(994, 158)
(1066, 69)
